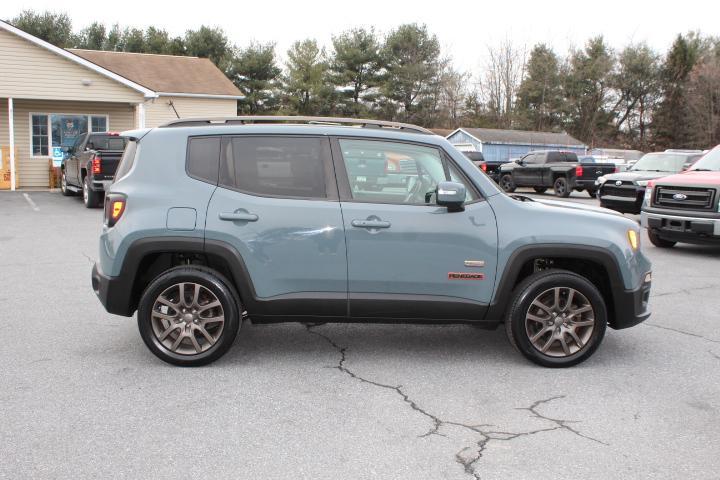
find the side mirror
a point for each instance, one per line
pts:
(519, 161)
(451, 195)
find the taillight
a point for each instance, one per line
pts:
(483, 167)
(578, 171)
(96, 164)
(114, 208)
(616, 169)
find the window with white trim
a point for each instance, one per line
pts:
(61, 130)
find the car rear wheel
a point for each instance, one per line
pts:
(507, 183)
(540, 189)
(557, 318)
(189, 316)
(660, 242)
(91, 198)
(561, 187)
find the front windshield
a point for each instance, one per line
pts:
(661, 162)
(711, 161)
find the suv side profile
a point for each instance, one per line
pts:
(300, 219)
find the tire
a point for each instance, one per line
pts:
(507, 183)
(91, 198)
(521, 325)
(63, 186)
(592, 192)
(660, 242)
(561, 187)
(178, 327)
(540, 189)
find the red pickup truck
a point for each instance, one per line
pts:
(685, 207)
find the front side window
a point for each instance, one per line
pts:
(276, 166)
(391, 172)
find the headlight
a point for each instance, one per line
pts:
(642, 183)
(647, 199)
(634, 239)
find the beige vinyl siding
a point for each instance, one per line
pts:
(34, 171)
(159, 111)
(30, 71)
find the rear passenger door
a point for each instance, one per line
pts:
(277, 205)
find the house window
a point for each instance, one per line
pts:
(62, 130)
(40, 135)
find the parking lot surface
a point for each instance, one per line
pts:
(82, 397)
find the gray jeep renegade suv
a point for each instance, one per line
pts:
(296, 219)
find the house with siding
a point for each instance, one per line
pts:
(502, 145)
(50, 95)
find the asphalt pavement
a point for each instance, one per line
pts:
(82, 397)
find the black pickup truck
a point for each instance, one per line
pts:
(90, 165)
(543, 169)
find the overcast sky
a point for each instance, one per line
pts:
(464, 28)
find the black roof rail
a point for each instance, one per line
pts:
(289, 119)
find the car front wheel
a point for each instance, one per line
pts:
(556, 319)
(189, 316)
(660, 242)
(63, 185)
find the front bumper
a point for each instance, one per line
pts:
(113, 292)
(632, 306)
(682, 228)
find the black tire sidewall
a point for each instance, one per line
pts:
(218, 286)
(660, 242)
(507, 179)
(563, 181)
(528, 290)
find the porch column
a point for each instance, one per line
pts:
(11, 126)
(140, 111)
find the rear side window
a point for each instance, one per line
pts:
(276, 166)
(127, 160)
(202, 158)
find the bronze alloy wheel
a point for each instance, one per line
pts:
(187, 318)
(560, 322)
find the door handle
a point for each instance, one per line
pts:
(238, 216)
(370, 224)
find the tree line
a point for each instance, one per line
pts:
(634, 97)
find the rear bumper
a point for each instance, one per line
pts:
(632, 306)
(586, 184)
(100, 185)
(113, 292)
(682, 228)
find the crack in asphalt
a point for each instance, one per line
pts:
(683, 332)
(89, 258)
(686, 291)
(468, 462)
(714, 354)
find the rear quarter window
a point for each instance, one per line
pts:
(203, 157)
(127, 160)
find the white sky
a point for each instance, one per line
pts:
(464, 28)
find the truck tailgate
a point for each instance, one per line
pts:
(591, 171)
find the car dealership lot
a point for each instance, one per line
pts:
(82, 397)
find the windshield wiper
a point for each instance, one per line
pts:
(522, 198)
(702, 170)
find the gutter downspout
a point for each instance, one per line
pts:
(11, 126)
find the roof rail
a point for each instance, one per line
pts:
(255, 119)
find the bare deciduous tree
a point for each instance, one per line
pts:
(505, 69)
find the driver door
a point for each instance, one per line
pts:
(407, 257)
